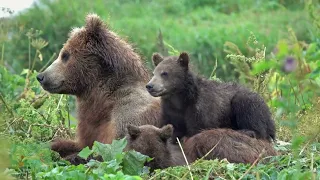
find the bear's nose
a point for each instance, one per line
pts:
(149, 86)
(40, 77)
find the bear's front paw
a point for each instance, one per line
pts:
(65, 147)
(75, 159)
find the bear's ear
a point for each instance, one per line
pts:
(93, 24)
(133, 131)
(166, 132)
(184, 59)
(156, 59)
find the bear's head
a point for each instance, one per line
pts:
(93, 56)
(150, 140)
(169, 74)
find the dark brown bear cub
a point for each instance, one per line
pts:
(153, 142)
(192, 104)
(227, 143)
(213, 144)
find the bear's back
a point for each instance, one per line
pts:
(212, 107)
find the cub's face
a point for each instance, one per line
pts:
(148, 139)
(168, 75)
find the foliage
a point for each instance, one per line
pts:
(280, 167)
(39, 162)
(206, 26)
(280, 60)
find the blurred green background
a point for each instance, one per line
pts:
(202, 27)
(233, 33)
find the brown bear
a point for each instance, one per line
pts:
(108, 79)
(215, 144)
(191, 103)
(154, 142)
(236, 147)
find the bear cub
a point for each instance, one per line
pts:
(154, 142)
(191, 103)
(221, 143)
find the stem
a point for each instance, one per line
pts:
(68, 110)
(50, 60)
(34, 60)
(294, 92)
(2, 54)
(29, 53)
(6, 105)
(253, 164)
(185, 158)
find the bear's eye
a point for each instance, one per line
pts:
(65, 56)
(164, 74)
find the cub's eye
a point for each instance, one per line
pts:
(65, 56)
(164, 74)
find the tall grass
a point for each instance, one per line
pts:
(199, 27)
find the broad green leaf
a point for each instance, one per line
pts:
(85, 153)
(133, 162)
(109, 151)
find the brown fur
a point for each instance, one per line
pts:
(192, 103)
(108, 78)
(153, 142)
(230, 144)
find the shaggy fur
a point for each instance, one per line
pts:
(108, 79)
(153, 142)
(227, 143)
(192, 104)
(230, 144)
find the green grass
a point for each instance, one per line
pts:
(200, 28)
(209, 30)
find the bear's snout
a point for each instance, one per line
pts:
(40, 78)
(149, 87)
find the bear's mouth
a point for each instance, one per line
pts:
(53, 89)
(157, 93)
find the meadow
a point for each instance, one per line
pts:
(272, 47)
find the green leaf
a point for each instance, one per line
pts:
(282, 48)
(133, 162)
(261, 66)
(24, 71)
(85, 153)
(297, 141)
(110, 151)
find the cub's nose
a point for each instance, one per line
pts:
(149, 87)
(40, 77)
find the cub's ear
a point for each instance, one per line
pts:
(166, 132)
(93, 24)
(156, 59)
(184, 59)
(133, 131)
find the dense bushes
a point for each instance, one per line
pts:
(280, 60)
(199, 27)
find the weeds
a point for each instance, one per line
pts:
(285, 71)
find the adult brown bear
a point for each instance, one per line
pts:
(108, 79)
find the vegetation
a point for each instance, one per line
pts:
(272, 47)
